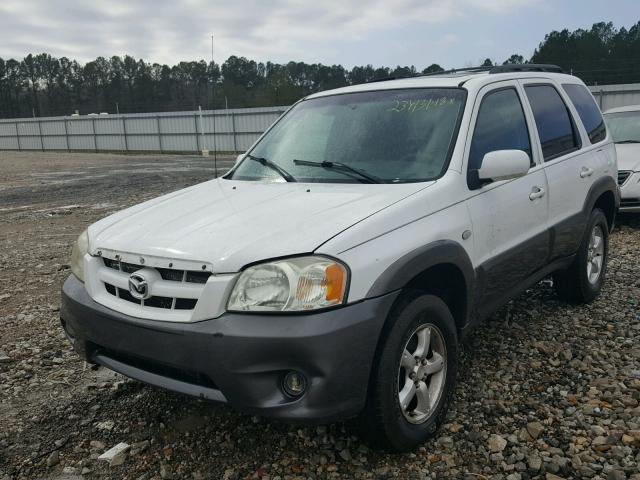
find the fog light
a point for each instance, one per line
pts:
(294, 384)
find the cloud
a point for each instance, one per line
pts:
(168, 31)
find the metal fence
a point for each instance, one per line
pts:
(234, 130)
(611, 96)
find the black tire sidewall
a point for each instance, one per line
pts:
(400, 434)
(590, 290)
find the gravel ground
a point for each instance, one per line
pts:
(546, 390)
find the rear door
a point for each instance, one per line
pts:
(569, 167)
(509, 218)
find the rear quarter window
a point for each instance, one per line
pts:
(587, 110)
(557, 132)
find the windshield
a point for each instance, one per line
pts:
(624, 126)
(368, 137)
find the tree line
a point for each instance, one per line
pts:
(42, 85)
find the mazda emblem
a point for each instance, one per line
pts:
(138, 286)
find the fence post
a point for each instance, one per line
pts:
(195, 125)
(40, 133)
(95, 138)
(66, 134)
(601, 98)
(18, 136)
(233, 127)
(201, 126)
(124, 134)
(159, 134)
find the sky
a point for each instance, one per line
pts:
(452, 33)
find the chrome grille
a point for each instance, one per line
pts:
(167, 274)
(623, 175)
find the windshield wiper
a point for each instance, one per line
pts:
(628, 141)
(341, 167)
(273, 166)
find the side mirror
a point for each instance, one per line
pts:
(239, 158)
(503, 165)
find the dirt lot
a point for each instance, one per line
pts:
(546, 390)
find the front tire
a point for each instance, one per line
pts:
(583, 280)
(414, 374)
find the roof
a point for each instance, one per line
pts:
(628, 108)
(471, 79)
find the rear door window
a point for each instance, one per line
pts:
(588, 111)
(556, 129)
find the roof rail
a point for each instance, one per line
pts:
(442, 72)
(509, 68)
(457, 70)
(526, 67)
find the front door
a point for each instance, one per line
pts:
(510, 225)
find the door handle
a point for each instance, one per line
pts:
(586, 172)
(536, 192)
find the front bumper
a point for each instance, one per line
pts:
(630, 194)
(238, 359)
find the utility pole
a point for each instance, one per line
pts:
(213, 110)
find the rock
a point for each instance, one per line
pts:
(616, 475)
(116, 455)
(523, 435)
(345, 455)
(496, 443)
(546, 347)
(139, 447)
(97, 445)
(4, 358)
(53, 459)
(106, 425)
(534, 462)
(534, 429)
(601, 440)
(165, 472)
(551, 476)
(229, 474)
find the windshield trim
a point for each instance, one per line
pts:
(445, 165)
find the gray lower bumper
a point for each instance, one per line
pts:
(238, 359)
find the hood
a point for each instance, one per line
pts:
(628, 156)
(232, 223)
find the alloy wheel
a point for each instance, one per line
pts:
(595, 254)
(422, 373)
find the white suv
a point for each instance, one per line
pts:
(332, 272)
(624, 123)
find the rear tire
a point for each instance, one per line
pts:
(583, 280)
(413, 375)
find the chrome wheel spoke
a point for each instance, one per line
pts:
(597, 241)
(424, 399)
(408, 362)
(434, 364)
(407, 393)
(424, 341)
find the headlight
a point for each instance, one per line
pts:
(80, 249)
(295, 284)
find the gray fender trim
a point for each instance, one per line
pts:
(600, 186)
(407, 267)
